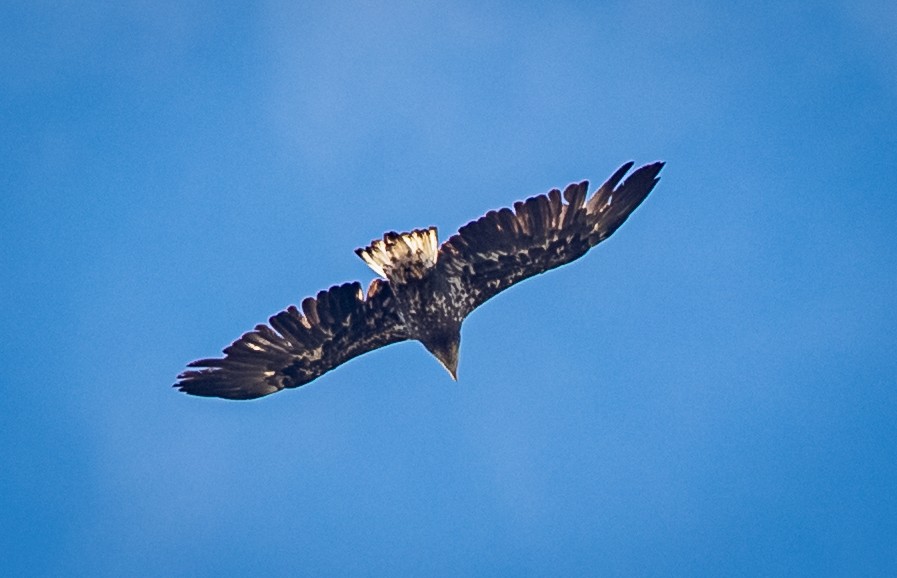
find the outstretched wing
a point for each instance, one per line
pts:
(504, 247)
(337, 325)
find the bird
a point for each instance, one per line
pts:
(423, 291)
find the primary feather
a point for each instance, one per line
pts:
(424, 294)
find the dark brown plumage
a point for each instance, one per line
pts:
(426, 290)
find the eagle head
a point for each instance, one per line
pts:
(444, 347)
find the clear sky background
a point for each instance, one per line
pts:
(712, 391)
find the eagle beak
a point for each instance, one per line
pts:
(453, 371)
(448, 358)
(450, 363)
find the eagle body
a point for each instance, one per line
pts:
(426, 303)
(424, 291)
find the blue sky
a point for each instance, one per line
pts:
(713, 391)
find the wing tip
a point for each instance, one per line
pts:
(220, 383)
(617, 198)
(652, 169)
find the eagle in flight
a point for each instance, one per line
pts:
(424, 291)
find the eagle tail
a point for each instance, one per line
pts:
(401, 256)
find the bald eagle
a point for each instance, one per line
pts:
(424, 291)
